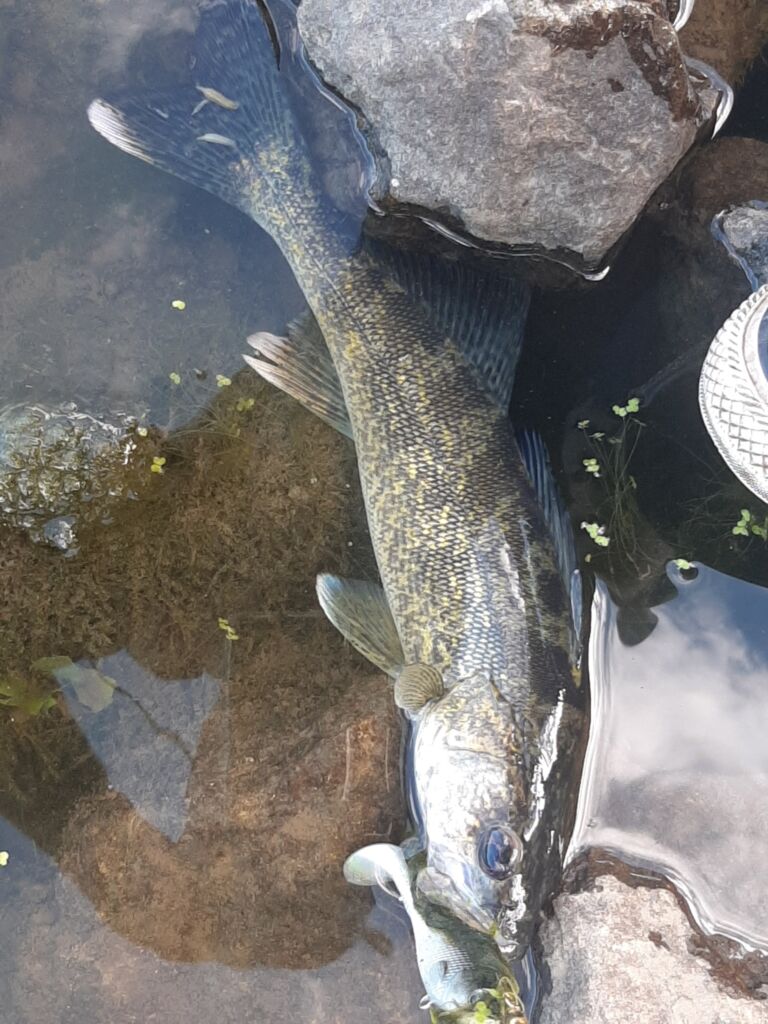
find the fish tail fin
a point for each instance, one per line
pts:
(232, 130)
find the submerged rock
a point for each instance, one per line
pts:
(58, 463)
(743, 230)
(619, 955)
(519, 122)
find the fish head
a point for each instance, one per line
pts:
(488, 850)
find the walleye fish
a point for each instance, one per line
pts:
(414, 360)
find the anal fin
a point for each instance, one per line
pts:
(301, 365)
(536, 460)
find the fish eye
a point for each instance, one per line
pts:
(500, 850)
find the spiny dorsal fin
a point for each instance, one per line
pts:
(301, 365)
(536, 460)
(483, 314)
(360, 611)
(416, 686)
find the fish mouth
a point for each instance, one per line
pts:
(442, 891)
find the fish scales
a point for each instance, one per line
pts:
(459, 537)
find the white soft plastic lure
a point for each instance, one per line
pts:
(463, 973)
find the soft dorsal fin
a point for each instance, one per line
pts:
(301, 365)
(484, 314)
(360, 611)
(536, 461)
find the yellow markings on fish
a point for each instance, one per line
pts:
(214, 96)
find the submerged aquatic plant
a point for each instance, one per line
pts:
(609, 463)
(748, 525)
(27, 696)
(597, 533)
(229, 631)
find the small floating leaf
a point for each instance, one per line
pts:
(158, 462)
(179, 304)
(633, 405)
(244, 404)
(222, 381)
(619, 410)
(92, 688)
(174, 378)
(142, 431)
(582, 424)
(4, 858)
(682, 563)
(596, 532)
(19, 693)
(228, 629)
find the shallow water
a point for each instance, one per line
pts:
(175, 832)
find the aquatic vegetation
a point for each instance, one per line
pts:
(228, 630)
(179, 304)
(174, 377)
(92, 688)
(27, 696)
(610, 465)
(4, 858)
(749, 525)
(597, 533)
(35, 693)
(632, 406)
(222, 381)
(158, 463)
(683, 563)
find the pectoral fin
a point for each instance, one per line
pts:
(360, 611)
(416, 685)
(301, 365)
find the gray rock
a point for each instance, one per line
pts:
(744, 233)
(529, 123)
(619, 955)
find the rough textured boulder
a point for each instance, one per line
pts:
(522, 122)
(619, 955)
(744, 232)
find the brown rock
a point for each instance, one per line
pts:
(728, 34)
